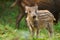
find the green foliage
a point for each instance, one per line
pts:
(57, 27)
(9, 33)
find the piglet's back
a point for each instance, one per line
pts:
(45, 15)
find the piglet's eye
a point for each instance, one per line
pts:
(29, 11)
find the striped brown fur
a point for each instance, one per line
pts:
(39, 19)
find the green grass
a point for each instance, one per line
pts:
(10, 33)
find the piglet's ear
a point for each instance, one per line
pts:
(36, 7)
(26, 9)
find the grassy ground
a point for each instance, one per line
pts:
(8, 31)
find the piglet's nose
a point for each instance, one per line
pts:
(34, 17)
